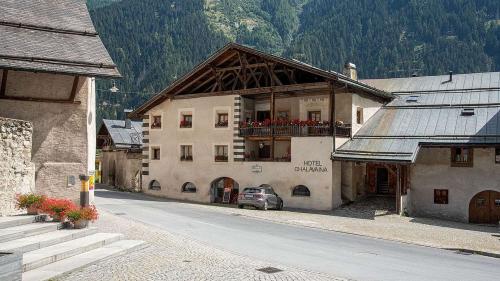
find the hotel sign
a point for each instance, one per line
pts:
(311, 166)
(257, 168)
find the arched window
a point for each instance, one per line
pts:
(301, 190)
(265, 185)
(189, 187)
(154, 185)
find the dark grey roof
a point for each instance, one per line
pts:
(52, 36)
(123, 137)
(399, 129)
(484, 80)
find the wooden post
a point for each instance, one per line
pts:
(398, 189)
(3, 86)
(272, 119)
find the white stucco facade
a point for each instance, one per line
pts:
(432, 170)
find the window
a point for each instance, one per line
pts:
(359, 115)
(461, 157)
(301, 190)
(314, 115)
(467, 112)
(189, 187)
(222, 120)
(497, 155)
(155, 153)
(221, 153)
(156, 124)
(186, 121)
(412, 99)
(440, 196)
(186, 153)
(154, 185)
(283, 115)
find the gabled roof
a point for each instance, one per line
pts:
(121, 136)
(52, 36)
(220, 57)
(430, 117)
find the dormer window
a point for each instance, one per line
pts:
(412, 99)
(467, 112)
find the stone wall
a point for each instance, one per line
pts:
(122, 169)
(17, 172)
(63, 133)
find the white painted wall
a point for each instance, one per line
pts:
(433, 171)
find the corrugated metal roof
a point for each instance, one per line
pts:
(52, 36)
(123, 137)
(433, 116)
(486, 80)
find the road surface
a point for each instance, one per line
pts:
(343, 255)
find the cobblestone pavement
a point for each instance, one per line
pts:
(372, 218)
(171, 257)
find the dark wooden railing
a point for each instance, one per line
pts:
(295, 131)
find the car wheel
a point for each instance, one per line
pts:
(240, 206)
(280, 207)
(266, 206)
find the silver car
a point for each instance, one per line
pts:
(260, 198)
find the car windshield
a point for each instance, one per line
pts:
(252, 190)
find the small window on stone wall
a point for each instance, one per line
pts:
(301, 190)
(440, 196)
(189, 187)
(156, 122)
(154, 185)
(359, 115)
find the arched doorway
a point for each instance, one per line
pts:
(224, 190)
(484, 207)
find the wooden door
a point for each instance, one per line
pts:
(484, 207)
(494, 207)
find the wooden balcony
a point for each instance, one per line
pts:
(295, 131)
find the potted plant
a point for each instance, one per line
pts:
(31, 202)
(80, 217)
(57, 208)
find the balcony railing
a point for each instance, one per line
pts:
(295, 131)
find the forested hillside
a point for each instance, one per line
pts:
(156, 41)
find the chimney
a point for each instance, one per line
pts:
(451, 76)
(350, 70)
(128, 122)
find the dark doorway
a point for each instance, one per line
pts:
(224, 190)
(484, 207)
(382, 181)
(263, 115)
(264, 151)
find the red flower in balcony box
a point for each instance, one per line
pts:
(57, 208)
(185, 124)
(267, 122)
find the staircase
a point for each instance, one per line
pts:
(49, 251)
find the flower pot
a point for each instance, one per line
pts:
(80, 224)
(32, 210)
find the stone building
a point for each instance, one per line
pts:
(435, 147)
(50, 54)
(120, 157)
(210, 132)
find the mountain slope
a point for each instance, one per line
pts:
(156, 41)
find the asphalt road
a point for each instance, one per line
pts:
(343, 255)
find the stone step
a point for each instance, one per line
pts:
(61, 267)
(54, 253)
(26, 230)
(36, 242)
(12, 221)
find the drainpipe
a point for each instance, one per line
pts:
(332, 116)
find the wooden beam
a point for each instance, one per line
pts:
(74, 88)
(398, 189)
(39, 100)
(255, 65)
(263, 90)
(3, 87)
